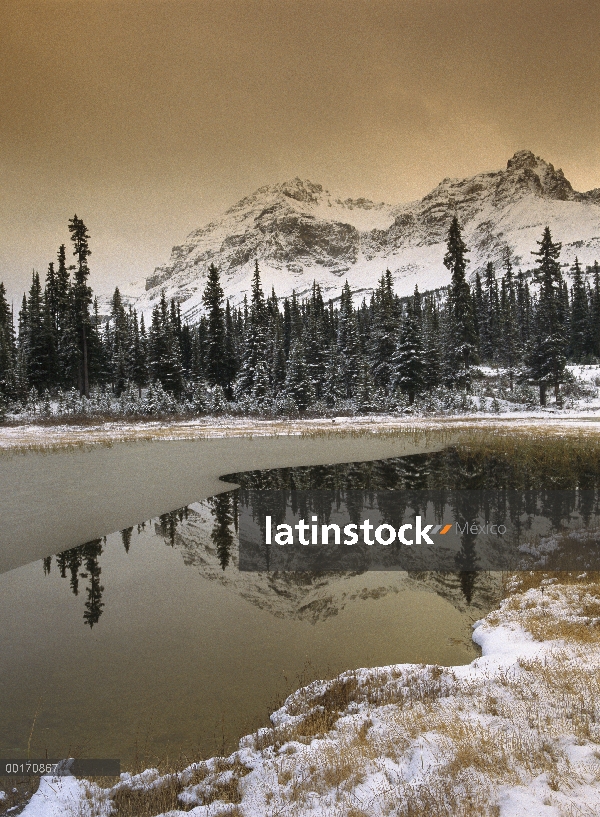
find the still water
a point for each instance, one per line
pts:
(150, 643)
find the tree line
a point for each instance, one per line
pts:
(300, 354)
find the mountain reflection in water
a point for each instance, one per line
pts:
(448, 469)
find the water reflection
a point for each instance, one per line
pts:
(445, 470)
(71, 561)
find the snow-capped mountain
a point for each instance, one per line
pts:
(299, 233)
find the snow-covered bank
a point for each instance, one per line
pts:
(490, 403)
(33, 437)
(516, 732)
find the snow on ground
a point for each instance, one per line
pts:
(490, 404)
(49, 437)
(514, 733)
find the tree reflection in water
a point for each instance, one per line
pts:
(450, 468)
(71, 561)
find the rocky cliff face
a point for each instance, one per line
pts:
(299, 233)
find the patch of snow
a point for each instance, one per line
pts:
(501, 731)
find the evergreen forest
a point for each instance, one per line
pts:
(298, 356)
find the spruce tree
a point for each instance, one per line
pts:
(164, 358)
(334, 387)
(68, 350)
(277, 354)
(255, 344)
(35, 339)
(348, 342)
(579, 322)
(230, 362)
(214, 360)
(365, 396)
(81, 298)
(510, 351)
(383, 337)
(523, 310)
(313, 339)
(547, 353)
(121, 344)
(94, 604)
(7, 347)
(222, 534)
(594, 312)
(431, 343)
(140, 364)
(408, 360)
(298, 384)
(460, 337)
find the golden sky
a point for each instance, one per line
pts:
(148, 118)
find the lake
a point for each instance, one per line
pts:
(148, 642)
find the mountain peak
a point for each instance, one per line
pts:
(299, 232)
(540, 175)
(301, 190)
(522, 159)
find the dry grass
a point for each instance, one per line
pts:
(24, 789)
(508, 437)
(467, 738)
(214, 780)
(549, 455)
(501, 731)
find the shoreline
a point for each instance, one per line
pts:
(55, 498)
(32, 437)
(514, 732)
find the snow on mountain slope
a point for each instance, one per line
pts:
(299, 233)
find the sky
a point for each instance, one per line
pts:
(148, 118)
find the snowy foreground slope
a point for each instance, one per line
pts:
(300, 232)
(516, 732)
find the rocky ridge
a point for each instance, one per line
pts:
(299, 232)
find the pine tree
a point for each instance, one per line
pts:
(214, 361)
(81, 299)
(579, 323)
(7, 347)
(547, 353)
(383, 337)
(460, 338)
(408, 360)
(298, 384)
